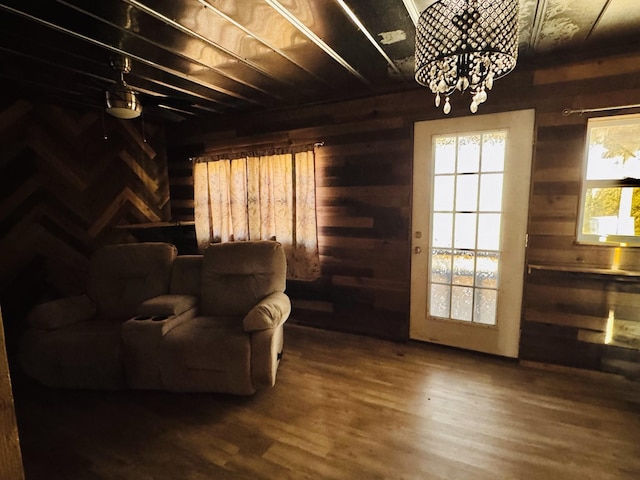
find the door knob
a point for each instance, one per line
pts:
(417, 250)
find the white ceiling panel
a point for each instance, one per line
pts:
(620, 18)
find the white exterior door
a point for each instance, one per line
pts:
(470, 205)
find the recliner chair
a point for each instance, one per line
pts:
(235, 342)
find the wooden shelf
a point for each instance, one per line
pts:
(626, 274)
(141, 226)
(182, 234)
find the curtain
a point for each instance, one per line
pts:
(260, 197)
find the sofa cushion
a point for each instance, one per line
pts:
(237, 275)
(61, 312)
(123, 276)
(185, 275)
(167, 305)
(207, 354)
(82, 355)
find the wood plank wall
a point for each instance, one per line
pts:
(364, 204)
(10, 453)
(363, 201)
(565, 313)
(63, 189)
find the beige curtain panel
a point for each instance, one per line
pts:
(260, 197)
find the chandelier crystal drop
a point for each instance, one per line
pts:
(466, 45)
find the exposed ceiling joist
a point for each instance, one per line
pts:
(203, 58)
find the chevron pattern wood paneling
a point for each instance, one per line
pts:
(64, 187)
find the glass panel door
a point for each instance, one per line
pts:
(470, 205)
(465, 234)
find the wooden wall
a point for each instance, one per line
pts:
(363, 196)
(364, 204)
(10, 453)
(568, 304)
(64, 187)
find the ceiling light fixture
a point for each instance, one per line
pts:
(466, 44)
(122, 100)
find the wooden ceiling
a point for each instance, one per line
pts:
(202, 58)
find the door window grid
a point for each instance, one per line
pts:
(466, 217)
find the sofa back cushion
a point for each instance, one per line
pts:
(185, 275)
(237, 275)
(123, 276)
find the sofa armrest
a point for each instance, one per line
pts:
(167, 305)
(266, 351)
(271, 312)
(61, 312)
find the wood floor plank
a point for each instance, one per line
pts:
(346, 407)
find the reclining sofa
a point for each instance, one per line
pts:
(152, 319)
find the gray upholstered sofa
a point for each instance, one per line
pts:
(152, 319)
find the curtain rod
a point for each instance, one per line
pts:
(567, 111)
(258, 150)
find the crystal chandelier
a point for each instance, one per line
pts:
(466, 44)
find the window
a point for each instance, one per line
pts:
(610, 200)
(467, 214)
(260, 196)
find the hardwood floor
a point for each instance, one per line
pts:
(346, 407)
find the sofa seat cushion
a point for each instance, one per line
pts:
(207, 353)
(82, 355)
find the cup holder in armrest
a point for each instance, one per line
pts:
(153, 318)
